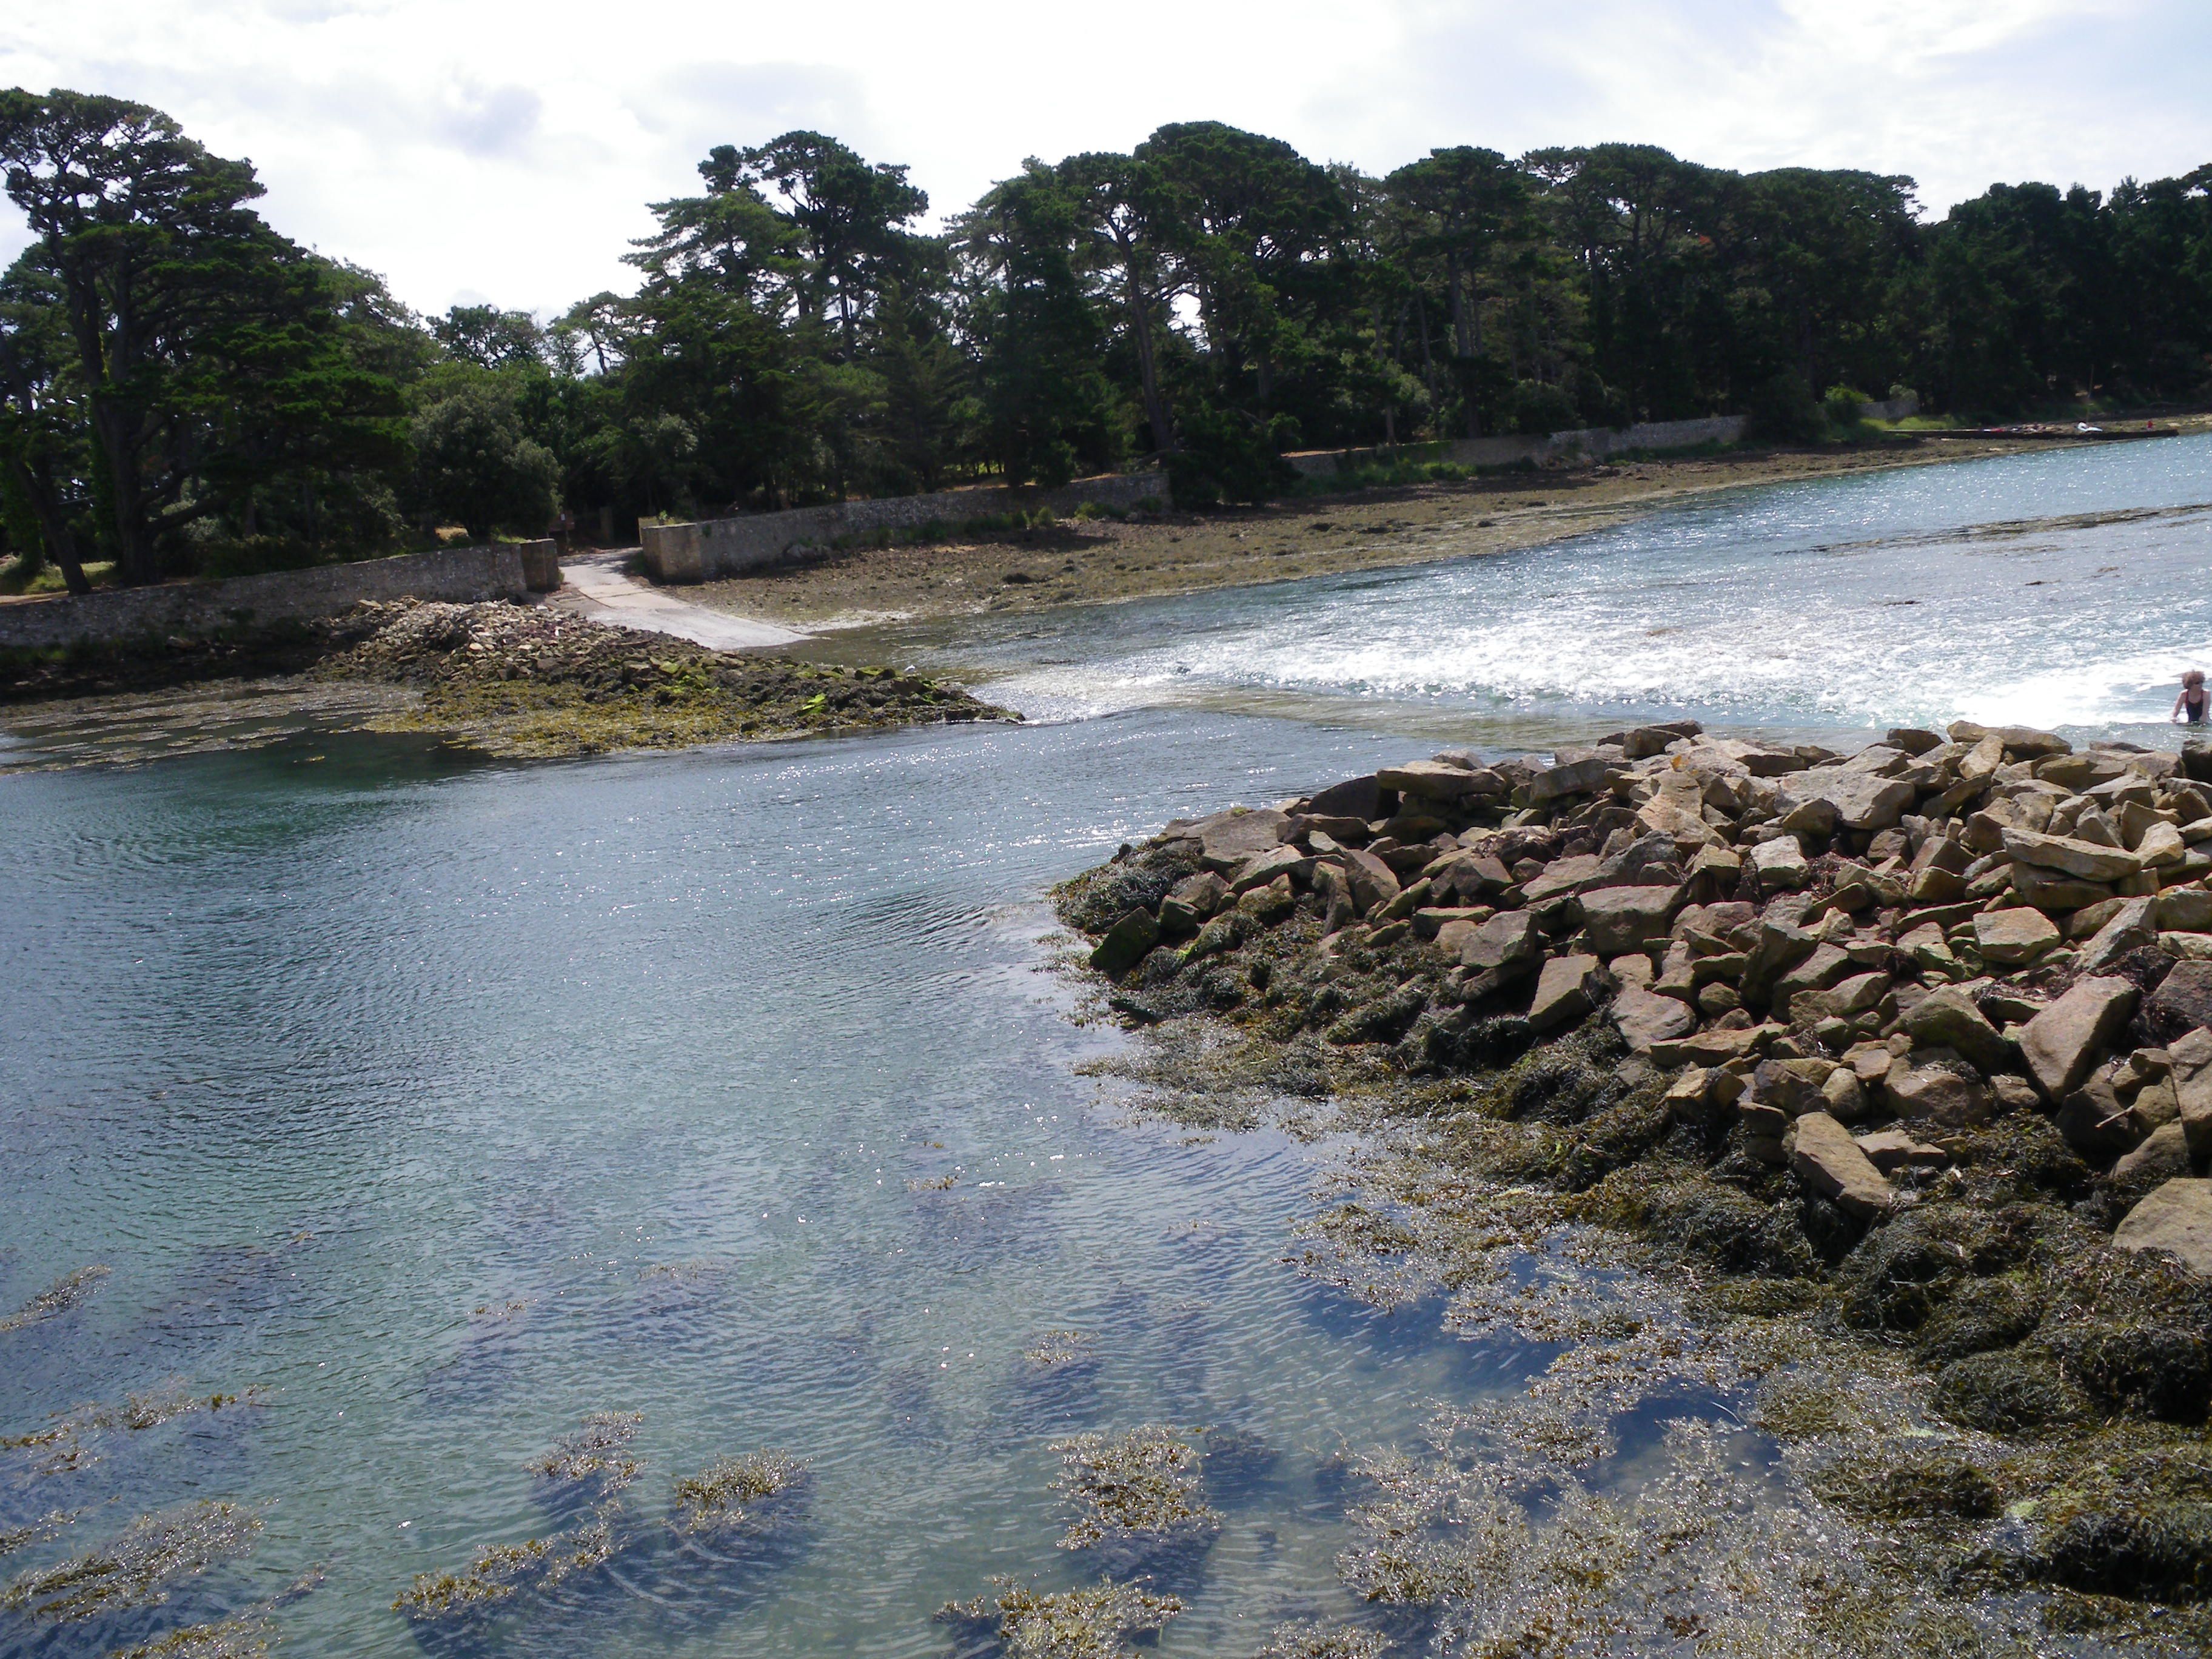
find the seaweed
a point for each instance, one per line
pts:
(136, 1568)
(34, 1532)
(591, 1456)
(1309, 1640)
(494, 1574)
(249, 1636)
(738, 1493)
(1140, 1487)
(1057, 1351)
(57, 1298)
(1096, 1621)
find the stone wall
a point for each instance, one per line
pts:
(722, 547)
(1893, 409)
(1592, 443)
(508, 571)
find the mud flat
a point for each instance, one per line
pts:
(1868, 1097)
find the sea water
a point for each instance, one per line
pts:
(440, 1104)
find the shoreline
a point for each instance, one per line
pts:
(1103, 561)
(515, 681)
(1878, 1087)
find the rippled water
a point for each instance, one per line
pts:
(449, 1103)
(2065, 588)
(446, 1103)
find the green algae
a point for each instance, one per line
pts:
(249, 1636)
(66, 1292)
(1141, 1487)
(594, 1455)
(32, 1532)
(1096, 1621)
(1060, 1350)
(495, 1573)
(1308, 1640)
(136, 1567)
(69, 1441)
(737, 1493)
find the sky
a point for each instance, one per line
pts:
(476, 150)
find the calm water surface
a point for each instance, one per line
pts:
(448, 1103)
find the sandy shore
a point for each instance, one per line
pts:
(1101, 561)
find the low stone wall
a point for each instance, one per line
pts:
(1893, 409)
(1589, 443)
(722, 547)
(506, 571)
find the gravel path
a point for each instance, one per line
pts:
(600, 586)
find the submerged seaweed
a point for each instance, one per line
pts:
(136, 1568)
(57, 1298)
(1141, 1487)
(249, 1636)
(34, 1532)
(738, 1493)
(592, 1455)
(1095, 1622)
(1307, 1640)
(1055, 1351)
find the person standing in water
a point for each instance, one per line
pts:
(2190, 704)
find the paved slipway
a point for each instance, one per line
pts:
(600, 586)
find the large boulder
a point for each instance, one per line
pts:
(2010, 938)
(1828, 1161)
(1947, 1018)
(1355, 798)
(2062, 1043)
(1574, 772)
(2182, 1001)
(2176, 1217)
(1567, 989)
(1625, 919)
(1373, 883)
(2131, 928)
(1780, 864)
(1505, 941)
(1126, 943)
(2191, 1057)
(1560, 878)
(1227, 839)
(1935, 1093)
(1438, 780)
(1778, 948)
(2069, 856)
(1646, 1018)
(1860, 800)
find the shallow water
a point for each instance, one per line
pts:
(2065, 588)
(448, 1103)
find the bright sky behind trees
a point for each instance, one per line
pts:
(494, 149)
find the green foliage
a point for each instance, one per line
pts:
(1228, 455)
(474, 464)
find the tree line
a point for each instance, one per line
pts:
(182, 388)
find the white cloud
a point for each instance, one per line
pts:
(489, 148)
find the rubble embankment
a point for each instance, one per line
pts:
(1908, 1052)
(521, 679)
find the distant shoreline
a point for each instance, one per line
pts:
(1103, 561)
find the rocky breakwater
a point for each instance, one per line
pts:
(1919, 1039)
(517, 679)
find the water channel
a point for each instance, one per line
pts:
(443, 1102)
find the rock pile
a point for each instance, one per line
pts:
(1841, 966)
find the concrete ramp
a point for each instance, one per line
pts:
(600, 587)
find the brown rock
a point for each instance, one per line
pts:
(1935, 1094)
(2162, 1157)
(2176, 1217)
(1893, 1148)
(1227, 839)
(1645, 1018)
(2062, 1043)
(1373, 883)
(1828, 1161)
(2182, 1001)
(2070, 857)
(1436, 780)
(1505, 941)
(2009, 938)
(1566, 990)
(1621, 919)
